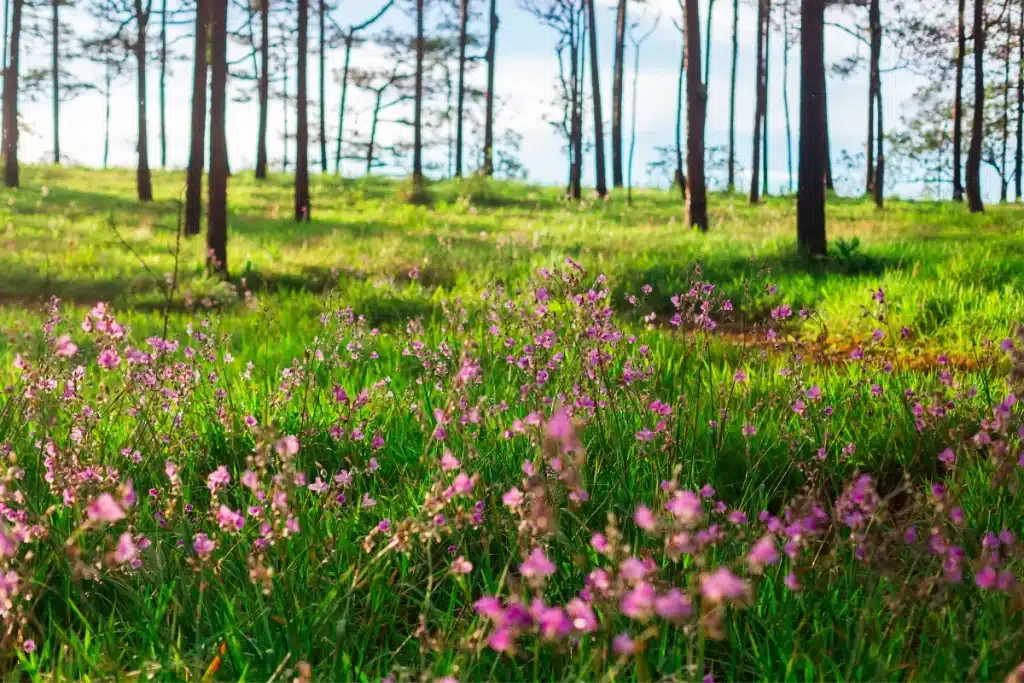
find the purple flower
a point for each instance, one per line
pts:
(644, 518)
(29, 646)
(686, 507)
(108, 359)
(512, 497)
(674, 605)
(218, 478)
(126, 550)
(460, 565)
(104, 509)
(986, 578)
(638, 603)
(947, 456)
(763, 553)
(287, 446)
(581, 615)
(814, 393)
(722, 585)
(537, 565)
(623, 645)
(203, 545)
(1006, 345)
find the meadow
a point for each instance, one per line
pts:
(497, 436)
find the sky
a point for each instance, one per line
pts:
(527, 71)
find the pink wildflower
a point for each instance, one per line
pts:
(537, 565)
(104, 509)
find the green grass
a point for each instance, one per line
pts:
(342, 601)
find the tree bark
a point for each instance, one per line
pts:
(680, 176)
(489, 101)
(143, 180)
(7, 16)
(264, 90)
(707, 45)
(1004, 174)
(55, 73)
(958, 102)
(373, 133)
(576, 127)
(759, 104)
(302, 208)
(10, 114)
(461, 98)
(1019, 175)
(785, 92)
(106, 114)
(696, 112)
(341, 108)
(595, 87)
(194, 175)
(417, 124)
(162, 85)
(810, 224)
(829, 182)
(973, 188)
(764, 97)
(876, 175)
(217, 215)
(731, 180)
(875, 41)
(322, 56)
(617, 92)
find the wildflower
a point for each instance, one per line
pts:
(104, 509)
(985, 578)
(218, 478)
(202, 545)
(644, 518)
(763, 553)
(1006, 345)
(947, 456)
(633, 569)
(673, 605)
(814, 393)
(460, 565)
(581, 615)
(287, 446)
(537, 565)
(65, 347)
(318, 486)
(782, 312)
(513, 497)
(740, 377)
(448, 461)
(108, 359)
(645, 435)
(502, 640)
(878, 334)
(749, 430)
(792, 582)
(229, 520)
(367, 501)
(638, 603)
(799, 407)
(722, 585)
(29, 646)
(126, 549)
(384, 526)
(686, 507)
(623, 645)
(599, 542)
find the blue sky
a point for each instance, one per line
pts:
(527, 70)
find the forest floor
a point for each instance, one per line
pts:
(499, 436)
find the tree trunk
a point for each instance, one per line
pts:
(680, 177)
(696, 112)
(764, 97)
(876, 175)
(463, 24)
(373, 133)
(973, 188)
(1004, 173)
(875, 31)
(617, 86)
(322, 6)
(264, 90)
(302, 208)
(417, 124)
(810, 222)
(341, 107)
(7, 16)
(106, 114)
(284, 114)
(143, 181)
(785, 92)
(759, 104)
(707, 46)
(194, 175)
(489, 104)
(958, 102)
(829, 182)
(11, 100)
(632, 131)
(55, 72)
(731, 180)
(595, 87)
(217, 215)
(1019, 175)
(162, 86)
(576, 127)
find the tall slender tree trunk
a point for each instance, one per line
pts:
(10, 115)
(417, 134)
(617, 92)
(143, 180)
(322, 56)
(731, 180)
(264, 90)
(576, 127)
(197, 137)
(679, 177)
(342, 105)
(7, 16)
(785, 92)
(489, 100)
(707, 45)
(1019, 173)
(373, 133)
(823, 103)
(302, 208)
(106, 114)
(1004, 173)
(759, 104)
(162, 85)
(876, 176)
(461, 98)
(284, 114)
(764, 97)
(217, 215)
(632, 130)
(958, 101)
(696, 114)
(810, 223)
(875, 41)
(973, 188)
(55, 73)
(595, 87)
